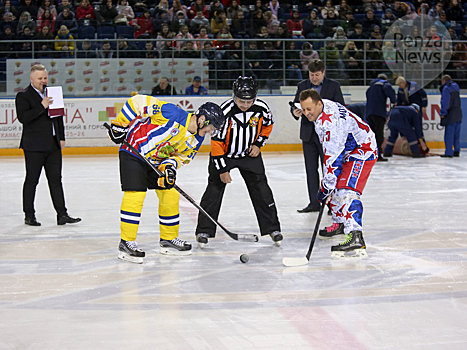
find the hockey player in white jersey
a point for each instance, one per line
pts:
(350, 152)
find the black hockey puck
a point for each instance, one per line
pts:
(244, 258)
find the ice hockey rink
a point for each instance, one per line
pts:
(62, 287)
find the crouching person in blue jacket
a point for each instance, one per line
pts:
(406, 121)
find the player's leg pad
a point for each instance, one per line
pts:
(276, 237)
(174, 246)
(335, 230)
(130, 214)
(353, 247)
(169, 213)
(129, 251)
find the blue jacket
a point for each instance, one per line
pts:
(202, 91)
(376, 97)
(450, 103)
(416, 95)
(403, 116)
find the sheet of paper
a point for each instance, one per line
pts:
(57, 108)
(57, 95)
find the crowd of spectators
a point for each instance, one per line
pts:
(169, 29)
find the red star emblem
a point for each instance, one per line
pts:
(330, 169)
(325, 117)
(339, 212)
(366, 147)
(332, 206)
(349, 215)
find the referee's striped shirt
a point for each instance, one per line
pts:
(241, 130)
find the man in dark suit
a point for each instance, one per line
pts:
(312, 150)
(164, 88)
(42, 140)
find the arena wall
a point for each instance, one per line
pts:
(84, 118)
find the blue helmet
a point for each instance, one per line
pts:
(213, 114)
(245, 88)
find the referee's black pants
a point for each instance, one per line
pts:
(253, 173)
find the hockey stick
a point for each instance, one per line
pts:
(290, 262)
(235, 236)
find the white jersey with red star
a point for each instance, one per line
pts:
(345, 137)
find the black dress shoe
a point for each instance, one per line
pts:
(445, 156)
(31, 222)
(308, 209)
(387, 155)
(381, 159)
(67, 219)
(456, 154)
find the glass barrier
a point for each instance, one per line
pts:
(273, 62)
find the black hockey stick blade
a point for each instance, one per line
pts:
(290, 262)
(242, 237)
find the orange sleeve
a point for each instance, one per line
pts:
(217, 148)
(266, 131)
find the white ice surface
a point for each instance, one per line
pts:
(62, 287)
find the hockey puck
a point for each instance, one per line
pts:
(244, 258)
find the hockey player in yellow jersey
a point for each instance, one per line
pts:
(169, 137)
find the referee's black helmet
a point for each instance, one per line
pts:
(245, 88)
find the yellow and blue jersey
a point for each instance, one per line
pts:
(159, 130)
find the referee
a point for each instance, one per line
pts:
(238, 145)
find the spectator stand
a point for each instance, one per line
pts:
(125, 31)
(272, 72)
(86, 32)
(107, 33)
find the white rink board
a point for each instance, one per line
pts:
(85, 117)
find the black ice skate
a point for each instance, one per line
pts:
(353, 247)
(174, 247)
(202, 239)
(129, 251)
(331, 231)
(276, 237)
